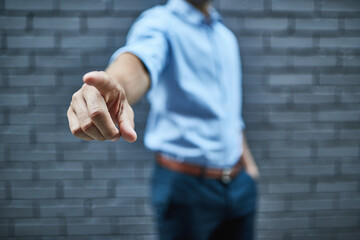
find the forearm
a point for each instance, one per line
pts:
(130, 72)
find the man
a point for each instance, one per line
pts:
(188, 62)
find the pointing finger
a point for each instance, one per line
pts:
(99, 114)
(126, 123)
(102, 81)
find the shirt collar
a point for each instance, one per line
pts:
(189, 13)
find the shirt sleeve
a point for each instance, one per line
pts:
(147, 40)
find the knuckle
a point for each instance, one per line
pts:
(86, 126)
(74, 97)
(96, 113)
(77, 132)
(111, 135)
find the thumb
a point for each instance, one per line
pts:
(126, 123)
(101, 81)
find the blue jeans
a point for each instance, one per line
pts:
(196, 208)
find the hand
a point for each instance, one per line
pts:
(253, 171)
(98, 107)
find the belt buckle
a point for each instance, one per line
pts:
(225, 178)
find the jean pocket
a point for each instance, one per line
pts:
(253, 180)
(161, 185)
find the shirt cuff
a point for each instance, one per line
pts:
(138, 52)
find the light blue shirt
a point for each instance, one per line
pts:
(195, 95)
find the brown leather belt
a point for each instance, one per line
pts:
(225, 175)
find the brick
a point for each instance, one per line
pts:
(315, 61)
(109, 23)
(32, 118)
(27, 5)
(14, 61)
(16, 172)
(350, 169)
(132, 191)
(84, 42)
(98, 61)
(138, 5)
(85, 189)
(271, 205)
(290, 117)
(242, 5)
(290, 79)
(283, 223)
(321, 170)
(266, 61)
(12, 23)
(58, 61)
(233, 23)
(85, 155)
(349, 134)
(59, 137)
(33, 153)
(33, 190)
(14, 100)
(317, 24)
(2, 190)
(63, 170)
(291, 42)
(290, 152)
(268, 98)
(134, 229)
(352, 23)
(339, 79)
(57, 23)
(312, 205)
(289, 187)
(31, 42)
(343, 6)
(348, 235)
(336, 222)
(250, 42)
(336, 186)
(32, 80)
(112, 172)
(264, 234)
(293, 6)
(350, 204)
(116, 211)
(266, 23)
(83, 5)
(89, 226)
(62, 208)
(51, 100)
(16, 209)
(339, 42)
(37, 227)
(339, 115)
(314, 98)
(338, 152)
(5, 228)
(309, 234)
(351, 61)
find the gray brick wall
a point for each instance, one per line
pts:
(301, 92)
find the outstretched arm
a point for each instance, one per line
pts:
(104, 101)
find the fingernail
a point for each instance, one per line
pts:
(115, 139)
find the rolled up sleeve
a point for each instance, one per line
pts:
(147, 40)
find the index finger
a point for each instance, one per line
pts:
(100, 115)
